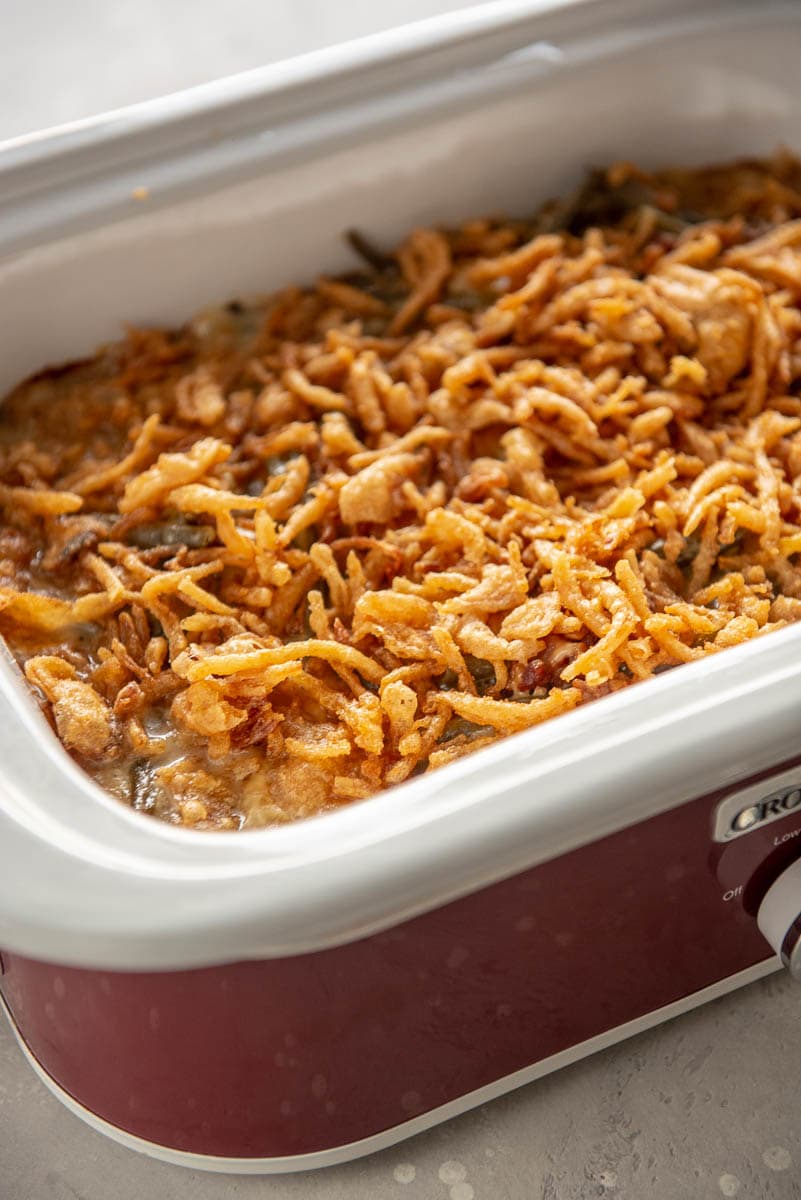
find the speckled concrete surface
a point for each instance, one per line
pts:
(704, 1107)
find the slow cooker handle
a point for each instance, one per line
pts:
(779, 917)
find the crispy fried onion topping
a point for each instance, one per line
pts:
(314, 544)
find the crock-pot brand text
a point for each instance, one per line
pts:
(746, 811)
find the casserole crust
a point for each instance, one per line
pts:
(312, 544)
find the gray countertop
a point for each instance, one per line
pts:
(705, 1106)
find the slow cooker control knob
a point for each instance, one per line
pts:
(779, 917)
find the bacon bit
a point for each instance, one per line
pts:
(531, 675)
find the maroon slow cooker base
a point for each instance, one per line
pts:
(296, 1055)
